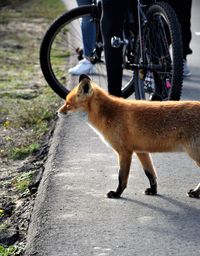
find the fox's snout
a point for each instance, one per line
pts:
(62, 110)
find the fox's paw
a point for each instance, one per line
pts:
(113, 194)
(150, 192)
(194, 193)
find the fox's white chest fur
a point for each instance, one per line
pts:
(99, 134)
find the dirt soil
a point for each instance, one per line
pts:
(27, 115)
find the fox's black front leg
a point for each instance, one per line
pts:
(125, 162)
(120, 189)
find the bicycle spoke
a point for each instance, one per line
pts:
(161, 55)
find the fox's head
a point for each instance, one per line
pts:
(78, 98)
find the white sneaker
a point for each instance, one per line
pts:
(186, 70)
(83, 67)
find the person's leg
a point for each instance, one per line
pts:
(88, 31)
(112, 25)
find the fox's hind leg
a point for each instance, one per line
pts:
(194, 153)
(150, 172)
(125, 163)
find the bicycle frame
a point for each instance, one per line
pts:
(141, 22)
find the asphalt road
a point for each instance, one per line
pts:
(72, 215)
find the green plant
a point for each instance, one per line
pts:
(3, 226)
(7, 251)
(1, 214)
(20, 153)
(22, 181)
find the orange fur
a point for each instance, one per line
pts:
(139, 126)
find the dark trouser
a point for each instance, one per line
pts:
(112, 25)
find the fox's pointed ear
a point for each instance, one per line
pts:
(81, 77)
(84, 87)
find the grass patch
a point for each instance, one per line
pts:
(27, 104)
(22, 152)
(45, 9)
(39, 9)
(7, 251)
(21, 182)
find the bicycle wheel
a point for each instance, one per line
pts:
(162, 74)
(60, 50)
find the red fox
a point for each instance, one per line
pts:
(140, 127)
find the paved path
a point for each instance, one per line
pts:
(72, 215)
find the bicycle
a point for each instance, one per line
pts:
(152, 53)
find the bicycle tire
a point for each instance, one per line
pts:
(46, 45)
(63, 23)
(167, 83)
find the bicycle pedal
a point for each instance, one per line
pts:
(117, 42)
